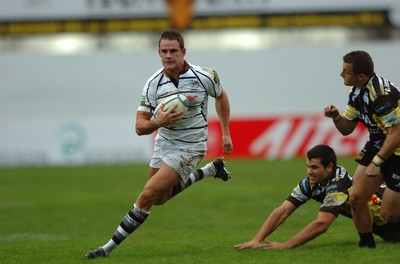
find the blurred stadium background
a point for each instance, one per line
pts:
(72, 72)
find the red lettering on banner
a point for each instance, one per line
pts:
(284, 136)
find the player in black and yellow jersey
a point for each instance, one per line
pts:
(373, 101)
(329, 184)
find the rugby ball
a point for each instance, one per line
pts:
(175, 99)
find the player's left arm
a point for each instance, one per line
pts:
(311, 231)
(387, 112)
(223, 110)
(391, 143)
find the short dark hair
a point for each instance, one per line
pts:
(324, 152)
(361, 61)
(172, 34)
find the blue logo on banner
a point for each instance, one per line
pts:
(72, 139)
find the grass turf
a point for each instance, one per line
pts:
(56, 214)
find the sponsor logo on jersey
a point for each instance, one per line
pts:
(332, 188)
(383, 108)
(366, 97)
(396, 177)
(389, 119)
(194, 85)
(317, 192)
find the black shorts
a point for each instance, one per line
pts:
(390, 168)
(366, 154)
(391, 171)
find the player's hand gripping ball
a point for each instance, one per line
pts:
(170, 101)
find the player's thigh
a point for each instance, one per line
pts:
(163, 180)
(153, 171)
(363, 186)
(390, 208)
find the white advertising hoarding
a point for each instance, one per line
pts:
(45, 141)
(81, 109)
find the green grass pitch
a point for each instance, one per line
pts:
(56, 214)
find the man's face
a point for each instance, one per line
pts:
(350, 78)
(172, 56)
(316, 171)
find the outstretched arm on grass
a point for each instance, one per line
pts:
(311, 231)
(275, 219)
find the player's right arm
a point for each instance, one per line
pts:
(145, 125)
(342, 124)
(274, 220)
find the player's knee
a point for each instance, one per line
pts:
(163, 198)
(153, 197)
(355, 199)
(390, 216)
(148, 196)
(387, 217)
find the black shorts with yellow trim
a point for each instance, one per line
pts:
(390, 168)
(366, 154)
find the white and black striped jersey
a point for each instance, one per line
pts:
(196, 83)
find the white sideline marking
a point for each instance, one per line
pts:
(16, 204)
(32, 237)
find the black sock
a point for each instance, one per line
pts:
(195, 176)
(366, 240)
(130, 223)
